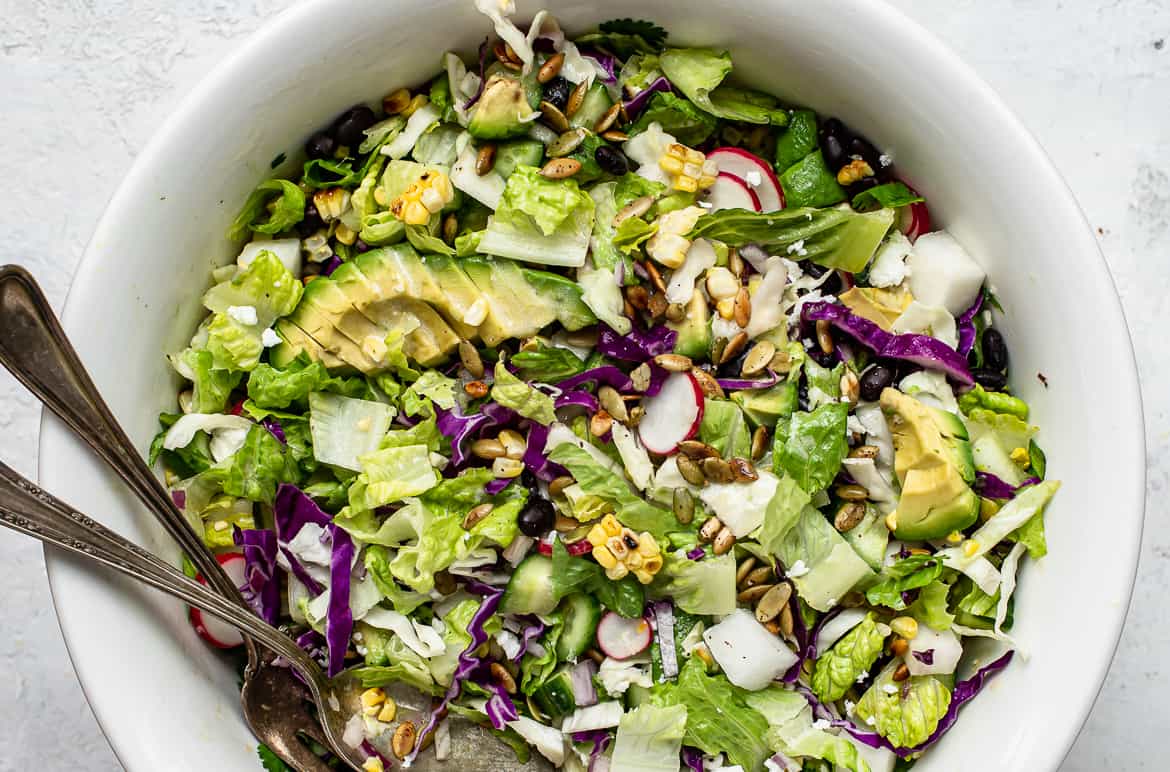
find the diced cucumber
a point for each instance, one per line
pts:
(530, 588)
(637, 695)
(519, 152)
(555, 696)
(582, 613)
(593, 106)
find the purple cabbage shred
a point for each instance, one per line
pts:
(637, 345)
(261, 582)
(605, 375)
(331, 265)
(925, 657)
(639, 101)
(275, 429)
(993, 487)
(966, 325)
(483, 55)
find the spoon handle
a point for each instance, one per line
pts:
(34, 348)
(31, 510)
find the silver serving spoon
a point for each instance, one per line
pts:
(33, 346)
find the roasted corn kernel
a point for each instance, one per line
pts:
(331, 203)
(689, 168)
(621, 551)
(669, 246)
(1021, 457)
(423, 198)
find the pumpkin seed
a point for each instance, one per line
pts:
(476, 514)
(676, 312)
(613, 403)
(743, 470)
(396, 102)
(566, 143)
(717, 470)
(403, 741)
(759, 575)
(576, 99)
(899, 647)
(734, 347)
(782, 362)
(561, 168)
(744, 569)
(773, 627)
(551, 68)
(758, 358)
(690, 471)
(743, 307)
(488, 449)
(554, 117)
(514, 443)
(636, 415)
(557, 486)
(850, 387)
(450, 228)
(901, 673)
(759, 442)
(848, 516)
(724, 541)
(710, 529)
(657, 306)
(717, 346)
(824, 336)
(470, 359)
(586, 337)
(773, 602)
(675, 363)
(485, 159)
(851, 492)
(606, 121)
(786, 621)
(697, 450)
(655, 277)
(864, 451)
(735, 263)
(684, 506)
(600, 423)
(476, 389)
(613, 135)
(752, 594)
(564, 524)
(595, 655)
(638, 296)
(503, 677)
(640, 377)
(707, 384)
(636, 208)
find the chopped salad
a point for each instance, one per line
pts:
(634, 414)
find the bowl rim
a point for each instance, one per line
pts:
(238, 62)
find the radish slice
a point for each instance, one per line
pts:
(220, 634)
(753, 170)
(731, 192)
(622, 638)
(672, 415)
(576, 548)
(914, 219)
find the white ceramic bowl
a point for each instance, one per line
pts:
(166, 702)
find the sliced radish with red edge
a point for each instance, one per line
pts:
(220, 634)
(576, 548)
(748, 167)
(731, 192)
(914, 219)
(672, 415)
(622, 638)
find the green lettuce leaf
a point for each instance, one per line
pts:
(811, 183)
(649, 739)
(833, 238)
(930, 608)
(905, 713)
(269, 387)
(909, 573)
(289, 210)
(540, 220)
(265, 285)
(232, 345)
(547, 364)
(782, 514)
(222, 516)
(1031, 535)
(421, 238)
(526, 400)
(797, 141)
(824, 383)
(812, 446)
(535, 670)
(456, 638)
(377, 561)
(719, 719)
(699, 586)
(425, 432)
(725, 429)
(391, 475)
(576, 574)
(631, 186)
(790, 730)
(698, 73)
(256, 470)
(891, 195)
(436, 387)
(632, 233)
(604, 255)
(831, 567)
(186, 461)
(836, 670)
(678, 117)
(270, 761)
(327, 173)
(389, 660)
(995, 401)
(632, 510)
(211, 385)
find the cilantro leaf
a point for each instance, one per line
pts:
(270, 761)
(647, 30)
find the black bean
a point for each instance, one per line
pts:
(833, 127)
(992, 380)
(874, 379)
(320, 145)
(734, 368)
(611, 160)
(312, 221)
(863, 184)
(537, 517)
(995, 353)
(802, 395)
(834, 153)
(348, 127)
(822, 358)
(832, 285)
(860, 146)
(557, 92)
(361, 246)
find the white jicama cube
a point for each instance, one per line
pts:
(741, 506)
(942, 273)
(944, 652)
(750, 656)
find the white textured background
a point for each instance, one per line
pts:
(83, 83)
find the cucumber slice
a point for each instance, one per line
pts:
(593, 106)
(555, 696)
(581, 613)
(518, 152)
(530, 588)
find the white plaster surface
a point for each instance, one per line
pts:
(83, 83)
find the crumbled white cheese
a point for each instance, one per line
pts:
(269, 338)
(821, 724)
(243, 314)
(850, 706)
(797, 248)
(754, 179)
(797, 570)
(885, 160)
(705, 204)
(889, 689)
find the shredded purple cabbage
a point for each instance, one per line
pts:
(639, 101)
(459, 428)
(497, 485)
(331, 265)
(374, 753)
(637, 345)
(483, 54)
(658, 376)
(696, 553)
(292, 509)
(606, 62)
(536, 459)
(966, 325)
(180, 499)
(581, 676)
(740, 384)
(993, 487)
(339, 618)
(600, 739)
(606, 374)
(921, 350)
(579, 398)
(466, 664)
(693, 758)
(500, 709)
(529, 634)
(926, 657)
(302, 575)
(275, 429)
(261, 582)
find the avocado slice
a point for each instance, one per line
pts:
(401, 271)
(464, 303)
(294, 343)
(503, 110)
(764, 406)
(514, 310)
(931, 458)
(694, 331)
(565, 295)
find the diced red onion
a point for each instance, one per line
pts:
(581, 677)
